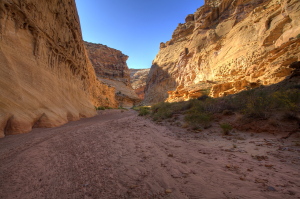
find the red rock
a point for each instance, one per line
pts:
(46, 78)
(227, 47)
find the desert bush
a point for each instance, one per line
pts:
(258, 103)
(161, 111)
(100, 108)
(226, 127)
(298, 36)
(197, 118)
(286, 100)
(143, 110)
(257, 107)
(164, 110)
(261, 104)
(136, 108)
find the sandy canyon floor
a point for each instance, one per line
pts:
(121, 155)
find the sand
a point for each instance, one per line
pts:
(118, 154)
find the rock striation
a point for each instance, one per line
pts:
(138, 81)
(111, 68)
(46, 78)
(224, 47)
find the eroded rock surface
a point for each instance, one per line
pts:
(138, 81)
(46, 78)
(111, 68)
(227, 46)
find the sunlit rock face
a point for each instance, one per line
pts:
(111, 68)
(225, 47)
(46, 78)
(138, 81)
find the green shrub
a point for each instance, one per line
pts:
(258, 103)
(161, 111)
(261, 104)
(226, 128)
(143, 110)
(164, 110)
(257, 107)
(136, 108)
(286, 100)
(196, 118)
(298, 36)
(100, 108)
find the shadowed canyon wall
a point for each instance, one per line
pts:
(111, 68)
(46, 78)
(224, 47)
(138, 78)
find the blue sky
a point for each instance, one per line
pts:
(136, 27)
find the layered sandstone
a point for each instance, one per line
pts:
(227, 46)
(138, 81)
(111, 68)
(46, 78)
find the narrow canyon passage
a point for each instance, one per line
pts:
(118, 154)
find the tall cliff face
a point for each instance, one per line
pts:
(109, 63)
(226, 46)
(46, 78)
(138, 81)
(111, 68)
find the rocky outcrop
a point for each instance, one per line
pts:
(227, 46)
(46, 78)
(111, 68)
(138, 81)
(109, 63)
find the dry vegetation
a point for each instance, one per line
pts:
(251, 105)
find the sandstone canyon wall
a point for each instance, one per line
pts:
(138, 78)
(225, 47)
(111, 68)
(46, 78)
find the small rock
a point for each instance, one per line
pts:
(133, 186)
(269, 188)
(269, 165)
(260, 157)
(168, 191)
(242, 178)
(170, 155)
(291, 193)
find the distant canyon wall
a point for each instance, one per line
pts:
(108, 62)
(138, 78)
(111, 68)
(46, 78)
(224, 47)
